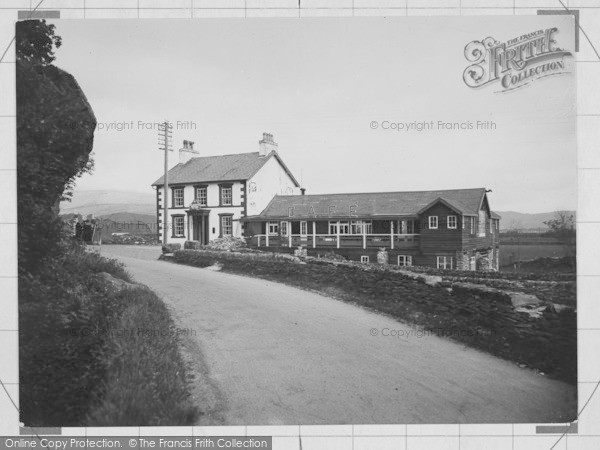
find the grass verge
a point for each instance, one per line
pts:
(83, 362)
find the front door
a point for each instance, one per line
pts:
(200, 229)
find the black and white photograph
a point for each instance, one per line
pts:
(364, 220)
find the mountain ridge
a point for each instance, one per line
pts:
(108, 202)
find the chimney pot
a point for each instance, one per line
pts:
(267, 144)
(187, 152)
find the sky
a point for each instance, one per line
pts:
(329, 91)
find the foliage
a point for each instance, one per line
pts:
(36, 41)
(68, 359)
(563, 227)
(55, 128)
(170, 248)
(145, 381)
(332, 256)
(59, 307)
(563, 224)
(72, 362)
(227, 243)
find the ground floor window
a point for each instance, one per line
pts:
(404, 260)
(178, 226)
(226, 225)
(445, 262)
(273, 228)
(303, 228)
(364, 259)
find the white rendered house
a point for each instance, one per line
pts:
(208, 195)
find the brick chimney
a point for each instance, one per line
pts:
(266, 145)
(187, 152)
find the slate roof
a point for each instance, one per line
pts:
(206, 169)
(373, 205)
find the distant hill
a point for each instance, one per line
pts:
(128, 217)
(107, 202)
(131, 207)
(525, 221)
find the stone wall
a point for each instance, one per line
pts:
(485, 320)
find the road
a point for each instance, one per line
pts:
(272, 354)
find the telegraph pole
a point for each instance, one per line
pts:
(165, 133)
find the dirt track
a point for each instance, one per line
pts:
(274, 354)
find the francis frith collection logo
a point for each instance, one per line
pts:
(516, 62)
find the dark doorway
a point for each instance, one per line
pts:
(200, 228)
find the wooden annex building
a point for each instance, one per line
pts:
(449, 229)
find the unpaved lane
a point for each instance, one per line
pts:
(281, 355)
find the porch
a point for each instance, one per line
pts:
(334, 234)
(396, 241)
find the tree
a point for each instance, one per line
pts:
(35, 42)
(562, 226)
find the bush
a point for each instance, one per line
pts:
(66, 355)
(227, 243)
(192, 245)
(332, 256)
(59, 358)
(170, 248)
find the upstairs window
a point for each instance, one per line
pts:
(226, 195)
(201, 196)
(433, 222)
(303, 228)
(284, 228)
(358, 226)
(344, 227)
(178, 197)
(273, 228)
(451, 222)
(406, 226)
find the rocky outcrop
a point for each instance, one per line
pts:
(55, 135)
